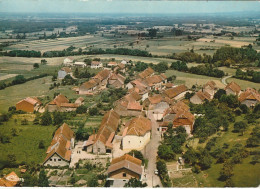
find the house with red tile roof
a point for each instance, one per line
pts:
(116, 80)
(250, 97)
(10, 180)
(122, 169)
(29, 104)
(176, 93)
(101, 142)
(147, 72)
(96, 64)
(211, 88)
(137, 133)
(61, 103)
(200, 97)
(59, 152)
(233, 88)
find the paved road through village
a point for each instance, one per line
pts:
(150, 152)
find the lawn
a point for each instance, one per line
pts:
(25, 145)
(11, 95)
(192, 79)
(245, 174)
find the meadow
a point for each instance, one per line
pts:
(25, 145)
(242, 177)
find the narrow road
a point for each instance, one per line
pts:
(223, 80)
(150, 153)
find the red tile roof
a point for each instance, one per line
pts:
(147, 72)
(234, 87)
(127, 162)
(173, 92)
(134, 106)
(9, 180)
(138, 126)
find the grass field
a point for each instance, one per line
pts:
(192, 79)
(25, 145)
(245, 174)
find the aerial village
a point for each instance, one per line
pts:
(151, 105)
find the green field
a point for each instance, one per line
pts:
(192, 79)
(245, 174)
(25, 145)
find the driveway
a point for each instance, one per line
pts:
(224, 79)
(150, 153)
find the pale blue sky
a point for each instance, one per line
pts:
(124, 6)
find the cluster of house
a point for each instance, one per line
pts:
(101, 80)
(250, 97)
(70, 62)
(60, 103)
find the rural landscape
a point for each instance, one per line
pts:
(129, 99)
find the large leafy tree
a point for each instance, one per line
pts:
(134, 183)
(43, 179)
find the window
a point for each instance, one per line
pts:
(59, 159)
(54, 159)
(140, 141)
(124, 174)
(98, 149)
(128, 142)
(50, 159)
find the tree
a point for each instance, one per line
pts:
(93, 111)
(81, 109)
(19, 79)
(76, 73)
(43, 179)
(36, 65)
(240, 127)
(30, 180)
(92, 181)
(219, 93)
(14, 132)
(227, 171)
(41, 145)
(46, 119)
(165, 152)
(152, 32)
(134, 183)
(11, 160)
(137, 154)
(58, 118)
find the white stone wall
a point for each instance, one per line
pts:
(133, 142)
(229, 92)
(145, 96)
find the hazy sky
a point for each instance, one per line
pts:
(124, 6)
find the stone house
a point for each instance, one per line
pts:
(63, 72)
(116, 80)
(200, 97)
(61, 104)
(112, 64)
(29, 104)
(185, 119)
(80, 64)
(88, 87)
(59, 152)
(122, 169)
(96, 65)
(211, 88)
(68, 61)
(80, 101)
(233, 88)
(137, 133)
(101, 142)
(170, 114)
(159, 109)
(250, 97)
